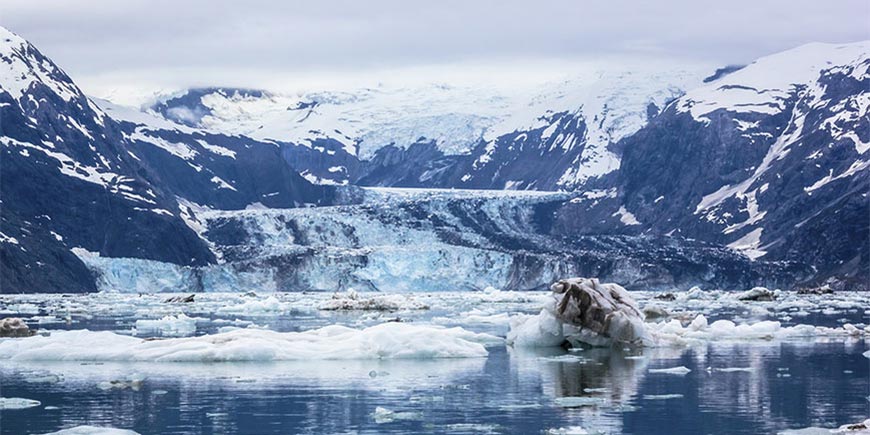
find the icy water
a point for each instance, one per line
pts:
(735, 386)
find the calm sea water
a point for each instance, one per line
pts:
(734, 388)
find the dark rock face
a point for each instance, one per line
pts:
(521, 160)
(722, 72)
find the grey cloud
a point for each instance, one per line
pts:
(93, 37)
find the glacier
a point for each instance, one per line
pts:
(416, 240)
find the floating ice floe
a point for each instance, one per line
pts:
(730, 369)
(384, 341)
(352, 300)
(570, 430)
(384, 415)
(674, 332)
(258, 307)
(93, 430)
(179, 325)
(681, 370)
(494, 295)
(17, 403)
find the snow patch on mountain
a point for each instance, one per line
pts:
(765, 85)
(613, 98)
(23, 69)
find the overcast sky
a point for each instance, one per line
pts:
(108, 44)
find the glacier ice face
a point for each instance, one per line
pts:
(415, 240)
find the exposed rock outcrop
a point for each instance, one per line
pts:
(757, 294)
(180, 299)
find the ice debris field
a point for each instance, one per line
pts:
(419, 347)
(288, 326)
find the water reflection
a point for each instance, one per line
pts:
(749, 388)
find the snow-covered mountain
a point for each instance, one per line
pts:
(73, 177)
(754, 176)
(770, 160)
(461, 135)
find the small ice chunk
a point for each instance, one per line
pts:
(17, 403)
(570, 430)
(384, 415)
(681, 370)
(543, 330)
(473, 428)
(733, 369)
(93, 430)
(595, 390)
(269, 306)
(178, 326)
(698, 323)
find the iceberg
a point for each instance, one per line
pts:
(583, 312)
(383, 341)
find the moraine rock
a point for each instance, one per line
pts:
(757, 294)
(666, 296)
(821, 290)
(180, 299)
(14, 327)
